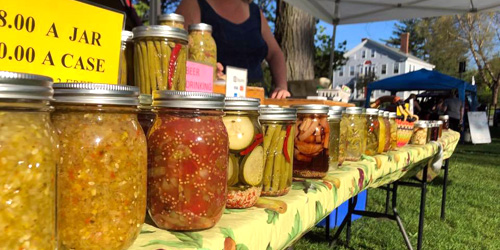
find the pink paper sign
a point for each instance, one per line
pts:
(199, 77)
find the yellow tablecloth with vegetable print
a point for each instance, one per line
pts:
(277, 222)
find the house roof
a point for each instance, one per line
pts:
(391, 50)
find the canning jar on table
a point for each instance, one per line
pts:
(202, 47)
(334, 117)
(173, 20)
(382, 132)
(387, 122)
(28, 158)
(146, 116)
(246, 157)
(355, 134)
(421, 133)
(394, 131)
(311, 141)
(278, 125)
(372, 124)
(446, 121)
(101, 183)
(126, 76)
(188, 158)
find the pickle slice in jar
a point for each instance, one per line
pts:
(240, 131)
(232, 170)
(253, 166)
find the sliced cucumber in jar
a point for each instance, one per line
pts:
(233, 170)
(253, 167)
(240, 131)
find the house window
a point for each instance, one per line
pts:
(341, 72)
(384, 69)
(373, 53)
(396, 68)
(351, 71)
(363, 54)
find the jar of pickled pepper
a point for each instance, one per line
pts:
(101, 182)
(188, 159)
(387, 144)
(202, 47)
(394, 131)
(126, 76)
(278, 125)
(355, 134)
(160, 56)
(311, 141)
(246, 156)
(146, 116)
(29, 155)
(382, 132)
(372, 126)
(334, 117)
(173, 20)
(446, 121)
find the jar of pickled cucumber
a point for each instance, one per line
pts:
(421, 133)
(372, 127)
(160, 56)
(101, 195)
(446, 121)
(173, 20)
(188, 159)
(127, 59)
(28, 158)
(202, 47)
(246, 156)
(311, 141)
(394, 131)
(355, 134)
(382, 132)
(334, 117)
(278, 125)
(387, 144)
(146, 116)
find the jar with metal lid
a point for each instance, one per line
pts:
(246, 151)
(446, 121)
(188, 159)
(146, 116)
(394, 131)
(202, 47)
(334, 117)
(342, 136)
(372, 127)
(28, 158)
(434, 130)
(440, 124)
(382, 132)
(126, 76)
(355, 134)
(421, 133)
(278, 125)
(173, 20)
(101, 182)
(387, 144)
(160, 56)
(311, 141)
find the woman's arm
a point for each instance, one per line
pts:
(276, 61)
(191, 12)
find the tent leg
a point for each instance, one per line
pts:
(335, 22)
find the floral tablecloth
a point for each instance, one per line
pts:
(277, 222)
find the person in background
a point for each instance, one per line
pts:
(243, 38)
(416, 105)
(454, 109)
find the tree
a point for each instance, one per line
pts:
(322, 54)
(294, 31)
(417, 42)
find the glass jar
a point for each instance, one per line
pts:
(446, 121)
(421, 133)
(394, 131)
(434, 131)
(146, 116)
(278, 125)
(311, 141)
(28, 158)
(101, 182)
(355, 134)
(188, 159)
(382, 132)
(342, 137)
(160, 56)
(173, 20)
(126, 76)
(440, 124)
(334, 118)
(202, 47)
(246, 156)
(372, 124)
(387, 144)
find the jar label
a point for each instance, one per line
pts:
(199, 77)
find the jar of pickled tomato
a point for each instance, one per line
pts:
(394, 131)
(355, 134)
(188, 152)
(101, 182)
(29, 155)
(372, 124)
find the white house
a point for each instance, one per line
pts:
(385, 61)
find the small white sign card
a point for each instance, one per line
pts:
(236, 82)
(479, 129)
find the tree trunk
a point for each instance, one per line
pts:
(294, 32)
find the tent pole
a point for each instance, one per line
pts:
(153, 12)
(335, 22)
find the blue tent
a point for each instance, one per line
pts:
(423, 80)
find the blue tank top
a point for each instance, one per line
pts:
(238, 45)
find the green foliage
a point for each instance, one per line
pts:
(417, 41)
(323, 43)
(365, 79)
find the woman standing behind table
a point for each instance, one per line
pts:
(243, 38)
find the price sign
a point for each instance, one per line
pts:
(236, 82)
(68, 40)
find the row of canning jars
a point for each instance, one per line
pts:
(155, 57)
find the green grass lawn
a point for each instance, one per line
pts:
(472, 209)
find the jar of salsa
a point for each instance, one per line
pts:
(278, 125)
(202, 47)
(28, 158)
(173, 20)
(188, 158)
(334, 117)
(446, 121)
(372, 124)
(101, 182)
(394, 131)
(355, 134)
(311, 141)
(127, 59)
(246, 157)
(387, 144)
(146, 116)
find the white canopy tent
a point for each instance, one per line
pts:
(361, 11)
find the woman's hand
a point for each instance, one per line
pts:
(220, 72)
(280, 93)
